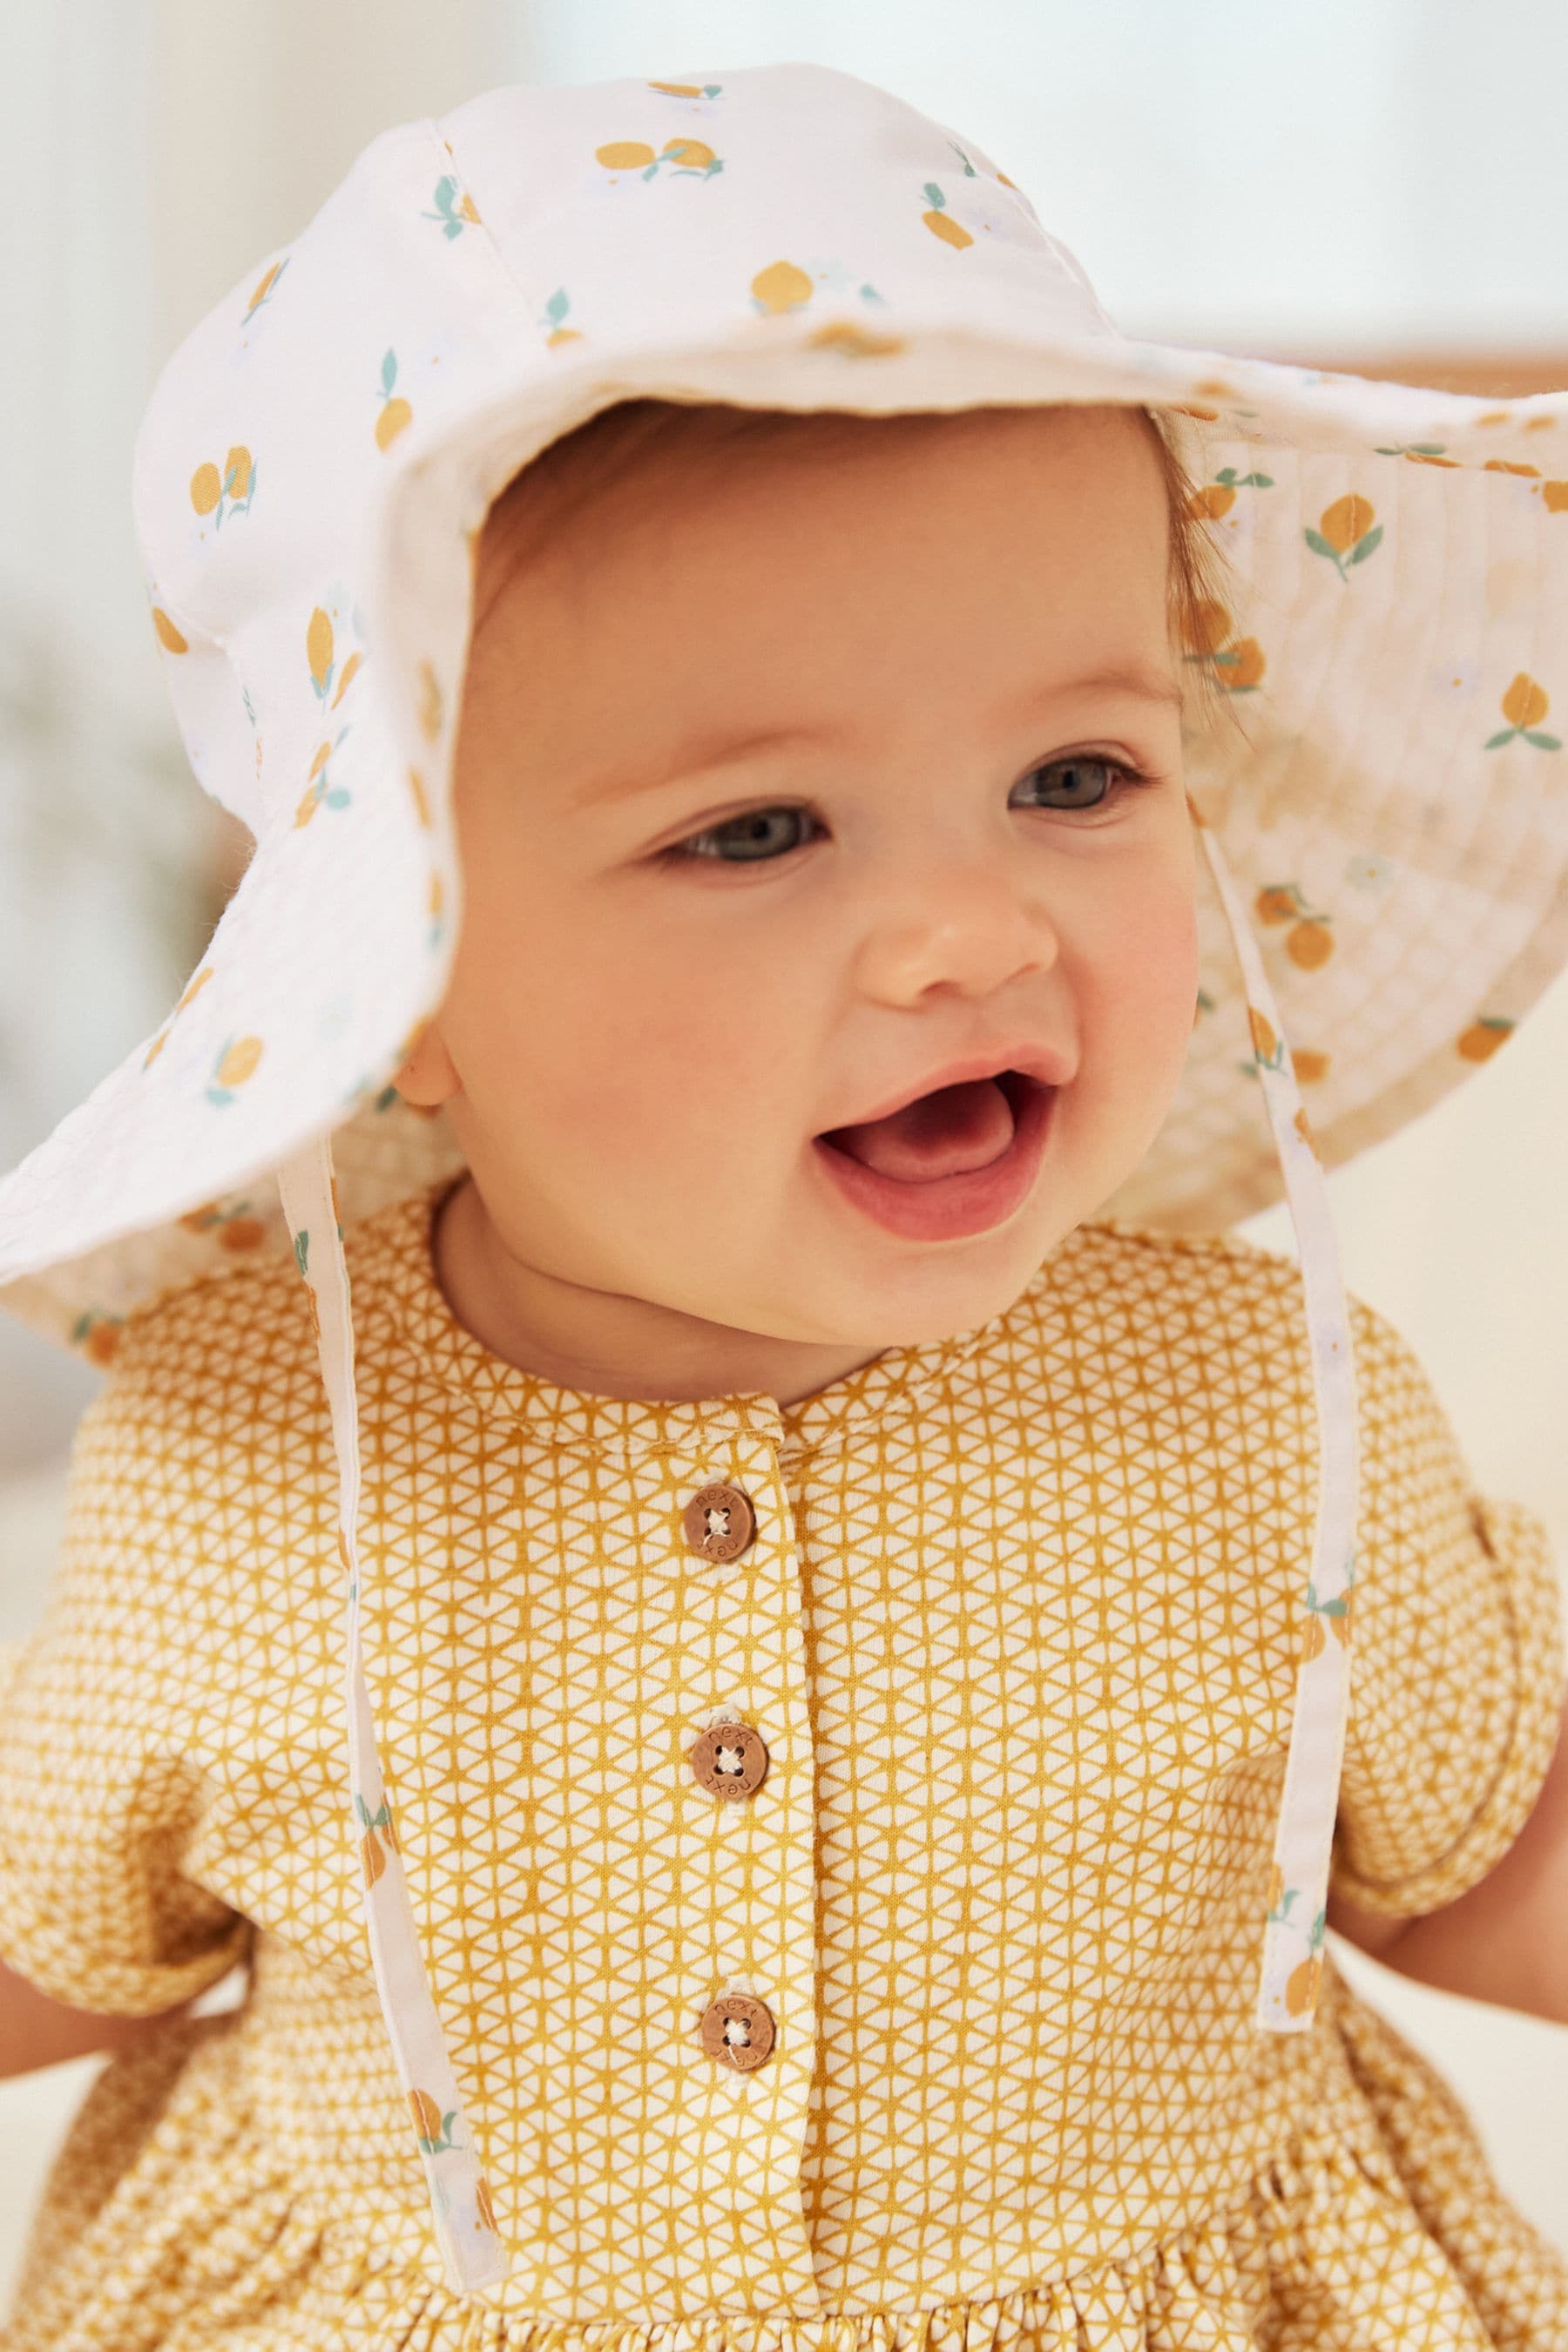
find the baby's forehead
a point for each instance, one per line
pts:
(651, 459)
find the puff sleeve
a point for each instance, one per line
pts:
(97, 1800)
(1456, 1655)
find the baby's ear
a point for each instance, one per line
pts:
(427, 1077)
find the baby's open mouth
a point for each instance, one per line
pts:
(946, 1132)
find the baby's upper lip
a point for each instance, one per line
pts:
(1048, 1065)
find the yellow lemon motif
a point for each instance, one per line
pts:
(1312, 1639)
(1301, 1986)
(265, 285)
(102, 1342)
(951, 232)
(168, 636)
(394, 416)
(1556, 496)
(241, 1233)
(623, 155)
(856, 343)
(781, 286)
(421, 805)
(1348, 519)
(678, 88)
(1311, 1065)
(482, 2200)
(564, 335)
(1305, 1133)
(194, 987)
(429, 703)
(1275, 905)
(237, 465)
(1526, 703)
(1482, 1038)
(372, 1857)
(690, 154)
(1503, 465)
(426, 2115)
(319, 647)
(1264, 1042)
(238, 1062)
(1310, 944)
(349, 668)
(1245, 667)
(1208, 504)
(207, 488)
(1206, 626)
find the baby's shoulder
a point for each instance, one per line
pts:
(228, 1352)
(1220, 1294)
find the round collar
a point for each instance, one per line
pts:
(395, 1256)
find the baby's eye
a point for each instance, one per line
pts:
(755, 836)
(1085, 774)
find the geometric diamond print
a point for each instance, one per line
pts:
(1019, 1626)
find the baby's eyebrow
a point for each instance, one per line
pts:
(1138, 679)
(724, 748)
(720, 749)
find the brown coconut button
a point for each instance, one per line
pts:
(738, 2030)
(718, 1522)
(730, 1759)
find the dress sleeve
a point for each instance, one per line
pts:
(1457, 1652)
(97, 1800)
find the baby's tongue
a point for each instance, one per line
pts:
(943, 1134)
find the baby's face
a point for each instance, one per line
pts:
(787, 780)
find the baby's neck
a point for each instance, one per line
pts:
(605, 1343)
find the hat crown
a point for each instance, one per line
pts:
(496, 248)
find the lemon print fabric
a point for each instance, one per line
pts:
(395, 413)
(556, 323)
(784, 286)
(681, 158)
(1212, 501)
(228, 490)
(453, 206)
(321, 791)
(1525, 706)
(942, 221)
(330, 682)
(1309, 937)
(1480, 1041)
(237, 1062)
(263, 290)
(1348, 532)
(1239, 663)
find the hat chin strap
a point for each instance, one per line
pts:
(1296, 1906)
(460, 2205)
(1296, 1900)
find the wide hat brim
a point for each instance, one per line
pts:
(1385, 774)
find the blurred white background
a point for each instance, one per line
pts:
(1367, 181)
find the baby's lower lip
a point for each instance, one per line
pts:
(946, 1207)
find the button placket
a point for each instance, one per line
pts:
(747, 1879)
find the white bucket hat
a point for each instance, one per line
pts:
(311, 476)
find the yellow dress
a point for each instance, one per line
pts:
(1017, 1629)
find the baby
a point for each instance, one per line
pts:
(778, 1033)
(834, 1638)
